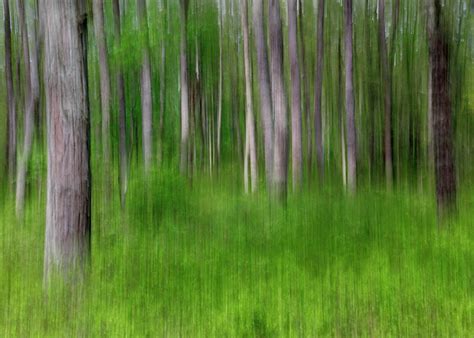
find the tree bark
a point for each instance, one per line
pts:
(145, 87)
(350, 111)
(31, 104)
(221, 75)
(280, 156)
(442, 111)
(265, 88)
(387, 89)
(68, 208)
(184, 89)
(296, 140)
(98, 13)
(318, 130)
(11, 109)
(251, 147)
(122, 113)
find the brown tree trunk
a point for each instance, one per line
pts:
(265, 90)
(145, 87)
(31, 104)
(318, 89)
(350, 113)
(280, 155)
(387, 89)
(442, 114)
(122, 113)
(296, 140)
(251, 146)
(184, 89)
(11, 109)
(98, 12)
(68, 208)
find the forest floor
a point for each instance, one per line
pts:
(209, 261)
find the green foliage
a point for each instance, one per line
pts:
(207, 261)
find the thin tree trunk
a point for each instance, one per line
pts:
(265, 88)
(31, 103)
(280, 156)
(163, 81)
(251, 146)
(68, 208)
(145, 86)
(98, 12)
(184, 89)
(387, 89)
(340, 111)
(350, 111)
(11, 109)
(296, 141)
(442, 112)
(122, 114)
(221, 75)
(318, 89)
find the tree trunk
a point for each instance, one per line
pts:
(280, 156)
(68, 208)
(265, 88)
(31, 104)
(122, 113)
(387, 89)
(442, 115)
(184, 89)
(251, 147)
(318, 88)
(163, 81)
(221, 75)
(350, 113)
(145, 87)
(98, 13)
(296, 141)
(11, 110)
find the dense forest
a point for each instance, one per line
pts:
(224, 168)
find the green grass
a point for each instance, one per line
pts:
(208, 261)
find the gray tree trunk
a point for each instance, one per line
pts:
(442, 112)
(387, 89)
(163, 80)
(350, 110)
(296, 139)
(98, 12)
(31, 104)
(265, 88)
(251, 146)
(145, 87)
(68, 208)
(11, 109)
(318, 89)
(280, 155)
(122, 114)
(184, 89)
(221, 76)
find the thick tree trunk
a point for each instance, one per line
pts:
(122, 113)
(296, 139)
(280, 156)
(318, 89)
(31, 104)
(387, 89)
(98, 12)
(11, 109)
(184, 89)
(145, 87)
(350, 109)
(68, 208)
(442, 114)
(265, 89)
(251, 146)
